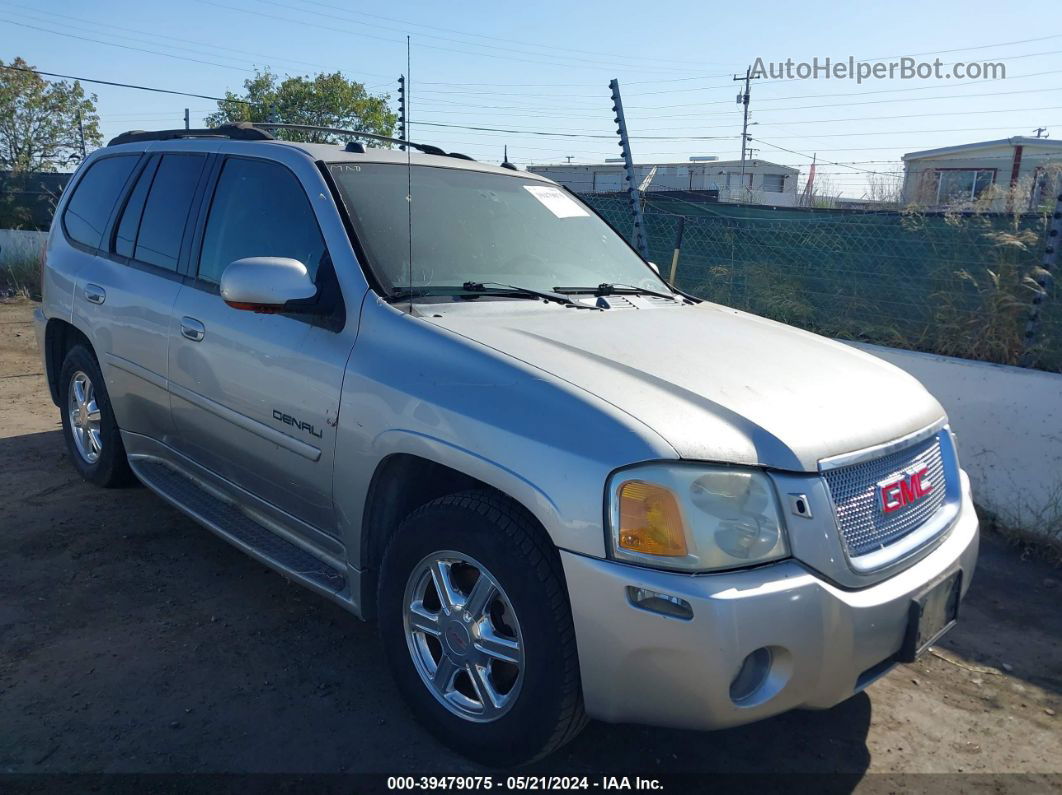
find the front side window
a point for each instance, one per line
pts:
(165, 213)
(94, 196)
(259, 210)
(473, 226)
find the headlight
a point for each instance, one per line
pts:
(694, 518)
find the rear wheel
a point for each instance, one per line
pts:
(476, 624)
(91, 433)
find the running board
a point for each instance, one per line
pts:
(232, 524)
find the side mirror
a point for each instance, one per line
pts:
(654, 266)
(265, 284)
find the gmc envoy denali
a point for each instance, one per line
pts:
(452, 399)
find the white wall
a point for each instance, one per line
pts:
(20, 244)
(1008, 421)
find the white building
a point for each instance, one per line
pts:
(955, 175)
(762, 182)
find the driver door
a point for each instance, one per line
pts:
(255, 397)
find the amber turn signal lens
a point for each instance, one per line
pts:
(650, 520)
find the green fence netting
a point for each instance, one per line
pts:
(955, 284)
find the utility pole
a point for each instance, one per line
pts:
(1041, 132)
(640, 241)
(743, 99)
(569, 157)
(81, 133)
(187, 123)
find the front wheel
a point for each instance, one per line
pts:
(477, 628)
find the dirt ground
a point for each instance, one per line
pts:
(132, 640)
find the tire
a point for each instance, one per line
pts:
(92, 437)
(543, 706)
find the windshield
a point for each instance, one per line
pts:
(470, 226)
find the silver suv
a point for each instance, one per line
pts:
(452, 399)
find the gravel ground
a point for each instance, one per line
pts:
(132, 640)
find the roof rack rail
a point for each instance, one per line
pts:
(257, 131)
(240, 131)
(427, 149)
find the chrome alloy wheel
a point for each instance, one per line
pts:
(84, 417)
(463, 636)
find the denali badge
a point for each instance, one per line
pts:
(287, 419)
(912, 485)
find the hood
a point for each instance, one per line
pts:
(715, 383)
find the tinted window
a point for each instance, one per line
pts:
(476, 226)
(129, 225)
(166, 210)
(259, 210)
(94, 196)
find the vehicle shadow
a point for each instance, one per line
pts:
(800, 742)
(1003, 634)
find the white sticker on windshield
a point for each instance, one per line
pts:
(556, 201)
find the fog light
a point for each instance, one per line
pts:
(656, 602)
(753, 674)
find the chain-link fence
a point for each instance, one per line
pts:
(960, 284)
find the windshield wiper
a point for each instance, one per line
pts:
(497, 288)
(476, 289)
(607, 288)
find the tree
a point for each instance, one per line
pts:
(41, 122)
(327, 100)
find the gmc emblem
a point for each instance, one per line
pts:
(912, 485)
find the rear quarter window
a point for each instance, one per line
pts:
(94, 196)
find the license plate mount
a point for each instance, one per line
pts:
(931, 615)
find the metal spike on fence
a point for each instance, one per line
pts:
(640, 241)
(1044, 278)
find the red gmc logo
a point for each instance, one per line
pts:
(909, 487)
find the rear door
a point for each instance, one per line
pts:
(124, 295)
(255, 397)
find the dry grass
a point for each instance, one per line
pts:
(21, 277)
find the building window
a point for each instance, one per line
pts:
(734, 180)
(773, 183)
(962, 185)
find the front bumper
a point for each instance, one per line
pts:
(827, 643)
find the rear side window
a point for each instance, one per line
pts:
(129, 225)
(94, 196)
(259, 210)
(161, 228)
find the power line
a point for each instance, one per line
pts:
(29, 10)
(123, 46)
(866, 92)
(580, 135)
(546, 59)
(124, 85)
(809, 157)
(408, 23)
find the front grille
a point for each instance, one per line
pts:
(864, 526)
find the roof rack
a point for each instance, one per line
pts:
(240, 131)
(257, 131)
(427, 149)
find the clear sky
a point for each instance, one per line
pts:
(544, 68)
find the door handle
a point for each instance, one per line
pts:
(192, 329)
(95, 294)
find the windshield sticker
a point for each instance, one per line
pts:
(556, 201)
